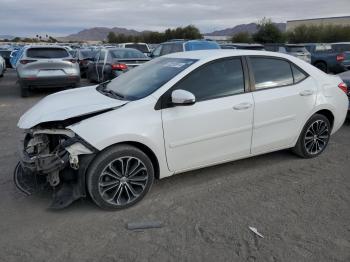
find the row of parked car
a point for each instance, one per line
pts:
(63, 66)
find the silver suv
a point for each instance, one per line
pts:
(46, 66)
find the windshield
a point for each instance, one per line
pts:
(141, 47)
(147, 78)
(201, 45)
(87, 54)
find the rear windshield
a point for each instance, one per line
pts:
(294, 49)
(127, 54)
(141, 47)
(47, 53)
(341, 47)
(83, 54)
(191, 46)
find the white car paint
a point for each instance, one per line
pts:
(208, 132)
(66, 104)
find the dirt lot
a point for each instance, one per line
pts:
(302, 207)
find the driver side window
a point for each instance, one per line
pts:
(216, 79)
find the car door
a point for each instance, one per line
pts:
(284, 96)
(100, 65)
(218, 127)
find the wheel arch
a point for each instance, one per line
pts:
(328, 114)
(145, 149)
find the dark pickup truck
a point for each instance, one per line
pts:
(344, 49)
(325, 58)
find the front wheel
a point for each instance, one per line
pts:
(314, 137)
(120, 177)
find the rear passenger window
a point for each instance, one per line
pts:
(214, 80)
(297, 74)
(270, 72)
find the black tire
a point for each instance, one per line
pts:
(24, 91)
(112, 190)
(322, 66)
(307, 139)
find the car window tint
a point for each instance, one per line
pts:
(216, 79)
(297, 74)
(47, 53)
(127, 53)
(270, 72)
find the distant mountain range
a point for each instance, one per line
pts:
(100, 33)
(250, 28)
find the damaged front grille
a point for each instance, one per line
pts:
(43, 153)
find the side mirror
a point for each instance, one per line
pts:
(182, 97)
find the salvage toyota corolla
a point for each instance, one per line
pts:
(175, 113)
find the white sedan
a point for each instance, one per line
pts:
(176, 113)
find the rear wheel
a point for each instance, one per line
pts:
(322, 66)
(120, 177)
(314, 138)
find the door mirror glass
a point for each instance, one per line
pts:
(182, 97)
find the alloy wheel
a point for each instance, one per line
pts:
(316, 137)
(123, 180)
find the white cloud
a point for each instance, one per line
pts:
(23, 17)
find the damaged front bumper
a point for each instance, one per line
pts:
(56, 158)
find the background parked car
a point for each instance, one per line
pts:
(325, 58)
(46, 66)
(179, 45)
(2, 66)
(297, 50)
(84, 57)
(112, 62)
(143, 47)
(245, 46)
(344, 56)
(5, 53)
(345, 76)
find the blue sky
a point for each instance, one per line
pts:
(63, 17)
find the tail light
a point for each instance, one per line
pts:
(340, 57)
(119, 67)
(27, 61)
(71, 60)
(343, 87)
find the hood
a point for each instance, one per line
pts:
(67, 104)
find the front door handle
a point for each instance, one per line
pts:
(307, 92)
(242, 106)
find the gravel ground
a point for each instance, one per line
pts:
(302, 208)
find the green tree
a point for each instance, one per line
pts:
(111, 37)
(268, 32)
(242, 37)
(319, 34)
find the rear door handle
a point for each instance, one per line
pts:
(306, 92)
(242, 106)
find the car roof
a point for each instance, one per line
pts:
(121, 49)
(139, 43)
(221, 53)
(45, 46)
(186, 41)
